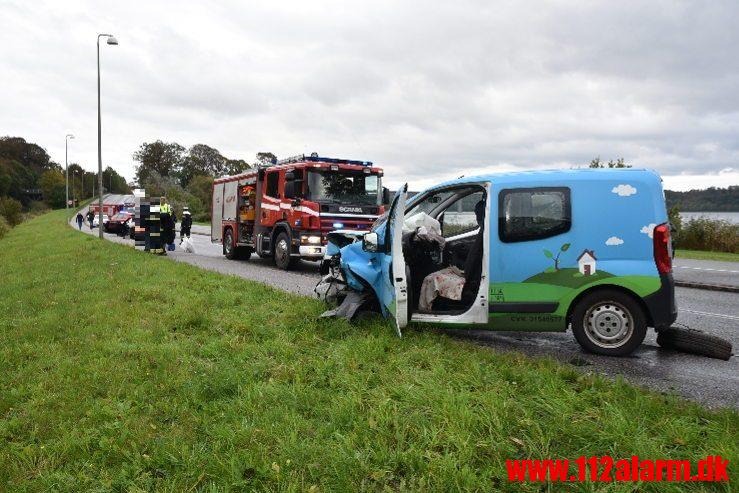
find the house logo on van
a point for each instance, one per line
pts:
(586, 263)
(350, 209)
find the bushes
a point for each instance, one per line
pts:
(4, 227)
(708, 234)
(201, 217)
(10, 209)
(37, 207)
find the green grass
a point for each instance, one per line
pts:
(569, 278)
(128, 372)
(706, 255)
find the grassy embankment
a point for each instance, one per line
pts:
(707, 239)
(124, 371)
(707, 255)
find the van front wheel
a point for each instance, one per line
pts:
(609, 322)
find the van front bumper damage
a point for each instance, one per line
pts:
(332, 290)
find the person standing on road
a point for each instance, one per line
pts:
(90, 218)
(186, 224)
(165, 215)
(79, 220)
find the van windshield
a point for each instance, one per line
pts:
(344, 187)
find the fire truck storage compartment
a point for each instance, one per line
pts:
(246, 209)
(216, 231)
(230, 202)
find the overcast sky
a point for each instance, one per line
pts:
(426, 91)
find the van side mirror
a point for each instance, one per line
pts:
(385, 196)
(370, 242)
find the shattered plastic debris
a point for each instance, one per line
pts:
(329, 289)
(349, 307)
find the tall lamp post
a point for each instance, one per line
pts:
(111, 41)
(66, 168)
(74, 173)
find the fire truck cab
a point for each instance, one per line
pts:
(285, 210)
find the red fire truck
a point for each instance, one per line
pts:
(286, 209)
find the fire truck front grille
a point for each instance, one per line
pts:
(332, 223)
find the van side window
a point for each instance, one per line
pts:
(459, 217)
(526, 214)
(272, 180)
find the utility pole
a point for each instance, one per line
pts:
(111, 41)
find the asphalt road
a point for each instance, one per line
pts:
(712, 382)
(706, 271)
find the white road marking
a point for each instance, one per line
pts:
(707, 269)
(708, 314)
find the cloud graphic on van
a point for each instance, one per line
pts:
(648, 229)
(614, 241)
(623, 190)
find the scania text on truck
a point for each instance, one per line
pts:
(286, 209)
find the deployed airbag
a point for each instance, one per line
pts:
(421, 220)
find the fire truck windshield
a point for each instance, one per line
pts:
(343, 187)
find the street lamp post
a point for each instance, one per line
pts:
(74, 173)
(111, 41)
(66, 168)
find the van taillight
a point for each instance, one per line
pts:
(662, 248)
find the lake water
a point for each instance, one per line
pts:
(726, 216)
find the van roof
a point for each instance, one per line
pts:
(554, 175)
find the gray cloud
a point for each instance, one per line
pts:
(428, 91)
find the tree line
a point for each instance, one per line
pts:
(185, 176)
(709, 200)
(29, 177)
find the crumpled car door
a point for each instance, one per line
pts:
(395, 283)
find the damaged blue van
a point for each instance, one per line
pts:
(586, 249)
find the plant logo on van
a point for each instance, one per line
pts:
(548, 254)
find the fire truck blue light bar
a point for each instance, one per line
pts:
(319, 159)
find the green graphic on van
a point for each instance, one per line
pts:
(550, 255)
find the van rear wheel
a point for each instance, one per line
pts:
(609, 322)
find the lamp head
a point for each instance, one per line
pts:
(112, 40)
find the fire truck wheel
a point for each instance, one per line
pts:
(283, 260)
(228, 249)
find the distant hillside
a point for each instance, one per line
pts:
(708, 200)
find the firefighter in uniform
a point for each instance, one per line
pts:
(165, 215)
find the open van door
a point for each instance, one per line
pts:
(395, 283)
